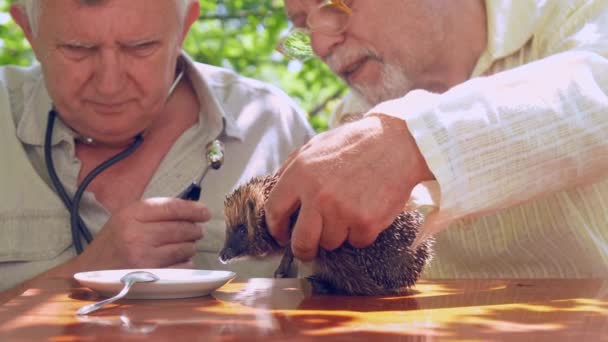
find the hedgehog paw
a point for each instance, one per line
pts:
(280, 274)
(321, 287)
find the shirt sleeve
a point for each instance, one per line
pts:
(495, 142)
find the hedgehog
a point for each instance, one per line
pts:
(386, 267)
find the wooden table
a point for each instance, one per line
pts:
(284, 309)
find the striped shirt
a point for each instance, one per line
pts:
(520, 151)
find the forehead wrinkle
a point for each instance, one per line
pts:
(141, 28)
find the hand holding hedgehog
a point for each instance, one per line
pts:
(388, 266)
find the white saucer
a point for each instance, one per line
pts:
(173, 283)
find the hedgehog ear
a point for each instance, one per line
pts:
(251, 215)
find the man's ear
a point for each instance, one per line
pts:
(20, 17)
(192, 14)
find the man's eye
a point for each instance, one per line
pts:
(77, 52)
(142, 50)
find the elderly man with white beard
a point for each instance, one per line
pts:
(488, 116)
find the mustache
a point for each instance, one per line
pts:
(342, 57)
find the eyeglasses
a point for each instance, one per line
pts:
(330, 17)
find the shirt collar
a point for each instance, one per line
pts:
(211, 105)
(31, 128)
(510, 25)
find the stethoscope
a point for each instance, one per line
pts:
(79, 230)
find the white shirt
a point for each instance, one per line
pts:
(520, 151)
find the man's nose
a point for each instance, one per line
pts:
(110, 74)
(323, 43)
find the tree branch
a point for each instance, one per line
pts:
(322, 105)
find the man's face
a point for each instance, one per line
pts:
(388, 48)
(108, 67)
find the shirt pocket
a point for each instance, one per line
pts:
(35, 236)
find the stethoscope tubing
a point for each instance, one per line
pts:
(79, 229)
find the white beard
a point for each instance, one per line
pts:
(393, 84)
(393, 80)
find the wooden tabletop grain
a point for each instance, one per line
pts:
(285, 310)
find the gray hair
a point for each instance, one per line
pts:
(33, 8)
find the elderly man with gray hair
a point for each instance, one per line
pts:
(101, 139)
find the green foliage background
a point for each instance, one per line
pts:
(236, 34)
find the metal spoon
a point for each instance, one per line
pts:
(129, 280)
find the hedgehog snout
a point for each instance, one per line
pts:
(226, 254)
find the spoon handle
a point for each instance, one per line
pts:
(96, 306)
(192, 193)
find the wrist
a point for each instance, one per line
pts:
(414, 163)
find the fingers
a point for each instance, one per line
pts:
(282, 202)
(173, 209)
(175, 232)
(186, 264)
(363, 236)
(174, 254)
(365, 230)
(158, 232)
(279, 206)
(334, 233)
(306, 234)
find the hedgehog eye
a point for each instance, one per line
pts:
(241, 229)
